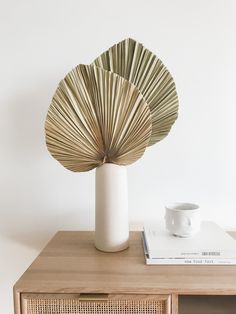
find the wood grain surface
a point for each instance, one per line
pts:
(71, 264)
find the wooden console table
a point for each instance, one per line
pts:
(70, 276)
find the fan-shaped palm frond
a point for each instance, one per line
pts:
(140, 66)
(97, 116)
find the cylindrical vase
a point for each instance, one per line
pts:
(112, 220)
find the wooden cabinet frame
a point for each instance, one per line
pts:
(70, 266)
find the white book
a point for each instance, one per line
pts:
(191, 261)
(185, 261)
(211, 242)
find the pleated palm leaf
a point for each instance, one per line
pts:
(95, 117)
(140, 66)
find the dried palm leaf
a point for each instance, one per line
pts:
(95, 117)
(140, 66)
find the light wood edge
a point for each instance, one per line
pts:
(168, 302)
(133, 291)
(159, 297)
(174, 304)
(23, 305)
(16, 301)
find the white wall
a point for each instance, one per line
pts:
(40, 42)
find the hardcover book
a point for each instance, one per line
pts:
(212, 245)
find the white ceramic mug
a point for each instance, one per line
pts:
(182, 219)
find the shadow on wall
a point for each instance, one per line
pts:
(37, 198)
(34, 232)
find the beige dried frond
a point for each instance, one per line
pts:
(140, 66)
(96, 116)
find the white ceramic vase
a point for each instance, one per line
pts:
(112, 221)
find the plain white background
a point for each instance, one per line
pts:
(43, 40)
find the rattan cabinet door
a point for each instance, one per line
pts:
(94, 304)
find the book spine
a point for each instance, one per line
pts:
(203, 254)
(189, 261)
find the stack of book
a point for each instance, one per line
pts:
(211, 246)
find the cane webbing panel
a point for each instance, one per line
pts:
(75, 306)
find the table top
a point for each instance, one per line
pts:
(71, 264)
